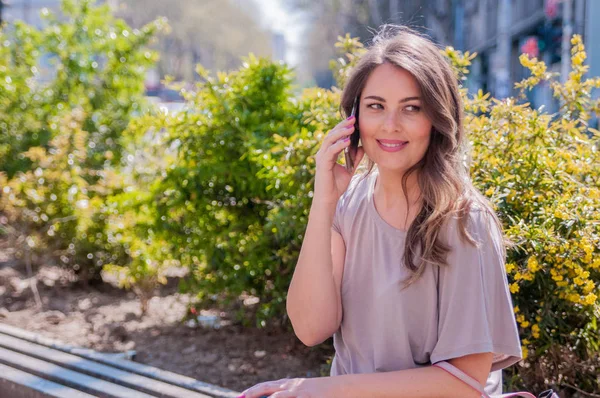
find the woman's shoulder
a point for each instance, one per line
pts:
(351, 202)
(474, 213)
(358, 186)
(479, 221)
(360, 179)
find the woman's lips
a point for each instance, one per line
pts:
(396, 148)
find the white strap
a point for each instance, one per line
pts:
(465, 378)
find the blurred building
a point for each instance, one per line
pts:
(501, 30)
(279, 46)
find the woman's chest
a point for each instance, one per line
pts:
(385, 322)
(372, 284)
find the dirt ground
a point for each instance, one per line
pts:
(108, 319)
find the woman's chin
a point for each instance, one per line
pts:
(386, 164)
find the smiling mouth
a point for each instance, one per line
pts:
(392, 143)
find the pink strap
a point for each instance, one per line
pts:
(465, 378)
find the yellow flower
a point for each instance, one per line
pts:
(524, 352)
(532, 264)
(587, 246)
(528, 276)
(514, 288)
(525, 324)
(516, 309)
(589, 286)
(583, 274)
(560, 213)
(573, 297)
(535, 331)
(518, 276)
(590, 299)
(567, 263)
(510, 267)
(578, 59)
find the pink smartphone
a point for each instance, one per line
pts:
(350, 151)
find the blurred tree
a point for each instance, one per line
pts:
(214, 33)
(359, 18)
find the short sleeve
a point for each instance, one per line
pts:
(342, 203)
(475, 305)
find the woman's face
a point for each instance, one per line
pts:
(391, 113)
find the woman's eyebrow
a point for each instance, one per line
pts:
(378, 98)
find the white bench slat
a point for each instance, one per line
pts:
(123, 364)
(15, 383)
(96, 369)
(52, 372)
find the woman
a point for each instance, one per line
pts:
(416, 272)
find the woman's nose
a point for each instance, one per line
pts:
(391, 121)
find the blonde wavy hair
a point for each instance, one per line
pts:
(443, 173)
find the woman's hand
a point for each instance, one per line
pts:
(319, 387)
(332, 179)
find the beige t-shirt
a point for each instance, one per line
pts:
(449, 312)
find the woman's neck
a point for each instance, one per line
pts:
(390, 193)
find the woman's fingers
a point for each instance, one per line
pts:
(285, 394)
(264, 389)
(340, 131)
(338, 146)
(331, 148)
(327, 157)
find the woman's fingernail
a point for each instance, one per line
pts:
(346, 139)
(349, 117)
(241, 396)
(350, 126)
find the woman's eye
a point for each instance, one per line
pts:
(410, 108)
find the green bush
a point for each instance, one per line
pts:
(62, 128)
(207, 202)
(97, 62)
(231, 198)
(542, 172)
(21, 110)
(52, 209)
(132, 226)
